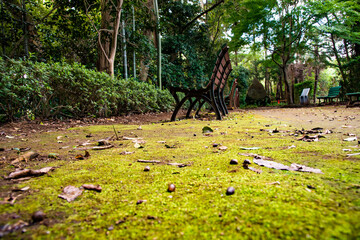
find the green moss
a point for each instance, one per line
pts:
(199, 208)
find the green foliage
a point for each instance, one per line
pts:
(61, 89)
(300, 86)
(188, 56)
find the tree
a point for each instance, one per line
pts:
(108, 33)
(339, 26)
(277, 26)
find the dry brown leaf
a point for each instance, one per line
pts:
(92, 187)
(70, 193)
(26, 157)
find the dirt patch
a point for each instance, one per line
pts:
(328, 117)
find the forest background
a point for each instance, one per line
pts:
(110, 57)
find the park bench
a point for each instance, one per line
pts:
(333, 93)
(213, 93)
(353, 98)
(232, 99)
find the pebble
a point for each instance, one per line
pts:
(147, 168)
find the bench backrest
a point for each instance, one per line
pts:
(334, 91)
(222, 70)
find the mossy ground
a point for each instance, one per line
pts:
(303, 205)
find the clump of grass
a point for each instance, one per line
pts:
(303, 205)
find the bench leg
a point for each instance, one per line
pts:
(222, 100)
(192, 105)
(178, 106)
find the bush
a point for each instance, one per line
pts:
(32, 89)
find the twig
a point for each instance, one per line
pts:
(117, 137)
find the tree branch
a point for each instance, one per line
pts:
(198, 16)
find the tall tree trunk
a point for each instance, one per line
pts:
(150, 34)
(158, 41)
(124, 51)
(267, 81)
(25, 29)
(337, 57)
(2, 28)
(108, 43)
(103, 64)
(134, 57)
(316, 71)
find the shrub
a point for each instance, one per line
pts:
(33, 89)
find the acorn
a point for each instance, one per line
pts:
(234, 162)
(171, 188)
(230, 191)
(38, 216)
(246, 164)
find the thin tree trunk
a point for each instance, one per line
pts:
(158, 41)
(124, 51)
(337, 57)
(316, 71)
(108, 43)
(134, 57)
(24, 21)
(2, 28)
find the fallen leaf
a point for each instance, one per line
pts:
(53, 155)
(270, 164)
(222, 148)
(350, 139)
(26, 157)
(139, 141)
(274, 183)
(137, 145)
(103, 142)
(96, 188)
(148, 161)
(9, 228)
(249, 148)
(131, 138)
(70, 193)
(308, 138)
(140, 202)
(168, 146)
(255, 170)
(302, 168)
(352, 154)
(207, 129)
(126, 153)
(87, 154)
(96, 147)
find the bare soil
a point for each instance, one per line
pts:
(331, 117)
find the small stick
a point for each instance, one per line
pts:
(117, 137)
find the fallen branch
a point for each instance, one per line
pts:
(29, 173)
(160, 162)
(96, 148)
(149, 161)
